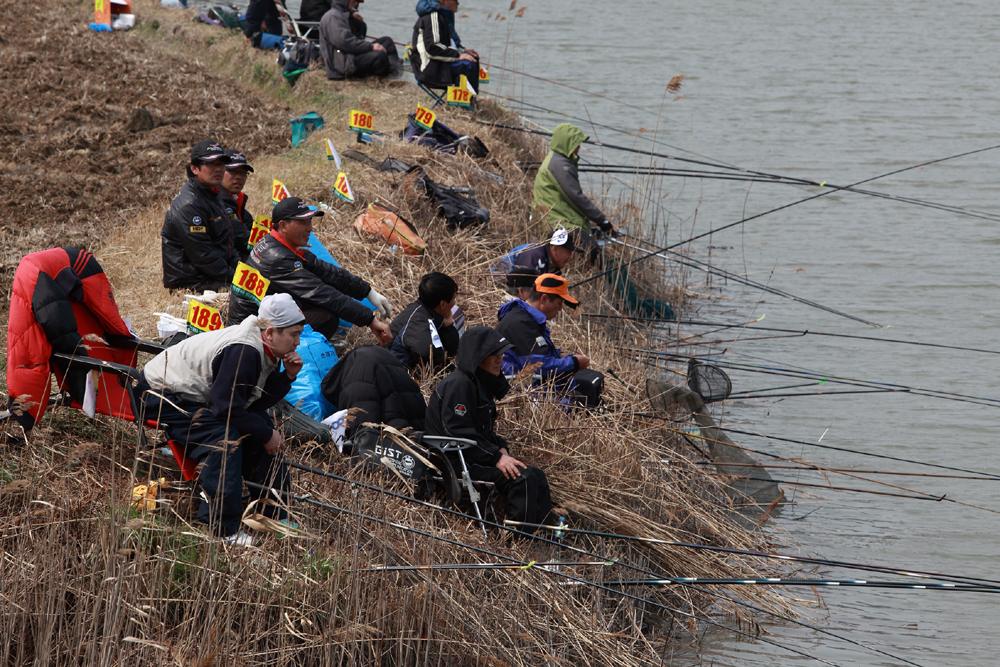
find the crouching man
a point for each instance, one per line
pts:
(212, 391)
(463, 405)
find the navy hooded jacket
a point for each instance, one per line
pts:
(525, 327)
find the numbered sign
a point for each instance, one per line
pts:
(261, 228)
(342, 188)
(102, 11)
(484, 75)
(278, 192)
(459, 97)
(360, 122)
(463, 82)
(424, 118)
(249, 284)
(202, 317)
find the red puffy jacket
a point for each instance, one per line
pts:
(59, 297)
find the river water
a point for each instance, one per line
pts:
(835, 92)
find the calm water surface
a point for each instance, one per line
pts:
(835, 92)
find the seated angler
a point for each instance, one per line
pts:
(212, 392)
(425, 332)
(235, 200)
(325, 293)
(199, 245)
(345, 51)
(372, 379)
(463, 405)
(544, 258)
(439, 60)
(558, 196)
(524, 322)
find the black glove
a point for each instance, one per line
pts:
(605, 225)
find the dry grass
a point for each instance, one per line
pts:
(86, 580)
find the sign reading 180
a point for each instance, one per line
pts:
(361, 122)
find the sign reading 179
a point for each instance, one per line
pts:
(361, 121)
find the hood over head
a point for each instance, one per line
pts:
(339, 5)
(566, 138)
(477, 344)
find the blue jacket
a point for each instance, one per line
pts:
(425, 7)
(525, 327)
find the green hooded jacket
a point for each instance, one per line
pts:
(559, 199)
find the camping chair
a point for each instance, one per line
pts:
(474, 488)
(438, 97)
(302, 30)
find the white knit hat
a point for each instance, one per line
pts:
(280, 310)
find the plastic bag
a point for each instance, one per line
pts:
(318, 357)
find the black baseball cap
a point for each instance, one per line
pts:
(237, 160)
(208, 151)
(293, 208)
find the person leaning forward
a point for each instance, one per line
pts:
(212, 392)
(235, 200)
(463, 405)
(345, 51)
(536, 260)
(524, 322)
(325, 293)
(558, 196)
(199, 246)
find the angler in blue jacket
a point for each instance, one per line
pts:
(524, 322)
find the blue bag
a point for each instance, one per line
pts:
(318, 357)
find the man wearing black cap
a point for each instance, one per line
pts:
(199, 248)
(235, 200)
(536, 260)
(463, 405)
(524, 322)
(325, 293)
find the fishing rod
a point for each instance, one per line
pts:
(703, 266)
(803, 465)
(781, 208)
(530, 564)
(841, 583)
(480, 566)
(806, 332)
(787, 179)
(579, 550)
(934, 576)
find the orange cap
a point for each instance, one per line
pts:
(550, 283)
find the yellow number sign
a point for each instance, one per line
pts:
(360, 121)
(278, 192)
(261, 228)
(202, 317)
(342, 188)
(459, 97)
(484, 75)
(424, 118)
(249, 284)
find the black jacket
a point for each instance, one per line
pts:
(313, 283)
(463, 404)
(240, 219)
(433, 54)
(413, 339)
(200, 250)
(341, 37)
(371, 378)
(312, 11)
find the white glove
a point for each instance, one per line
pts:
(381, 304)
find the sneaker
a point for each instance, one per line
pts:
(240, 539)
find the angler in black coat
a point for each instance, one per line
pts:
(200, 248)
(345, 51)
(463, 405)
(235, 200)
(425, 332)
(371, 378)
(437, 63)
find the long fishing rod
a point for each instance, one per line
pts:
(787, 179)
(575, 549)
(480, 566)
(841, 583)
(805, 466)
(801, 332)
(934, 576)
(702, 266)
(781, 208)
(527, 565)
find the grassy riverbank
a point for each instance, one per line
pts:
(87, 580)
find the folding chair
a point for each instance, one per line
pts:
(473, 487)
(438, 98)
(302, 30)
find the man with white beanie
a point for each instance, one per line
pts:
(211, 393)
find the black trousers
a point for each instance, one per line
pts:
(225, 459)
(377, 63)
(527, 495)
(262, 11)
